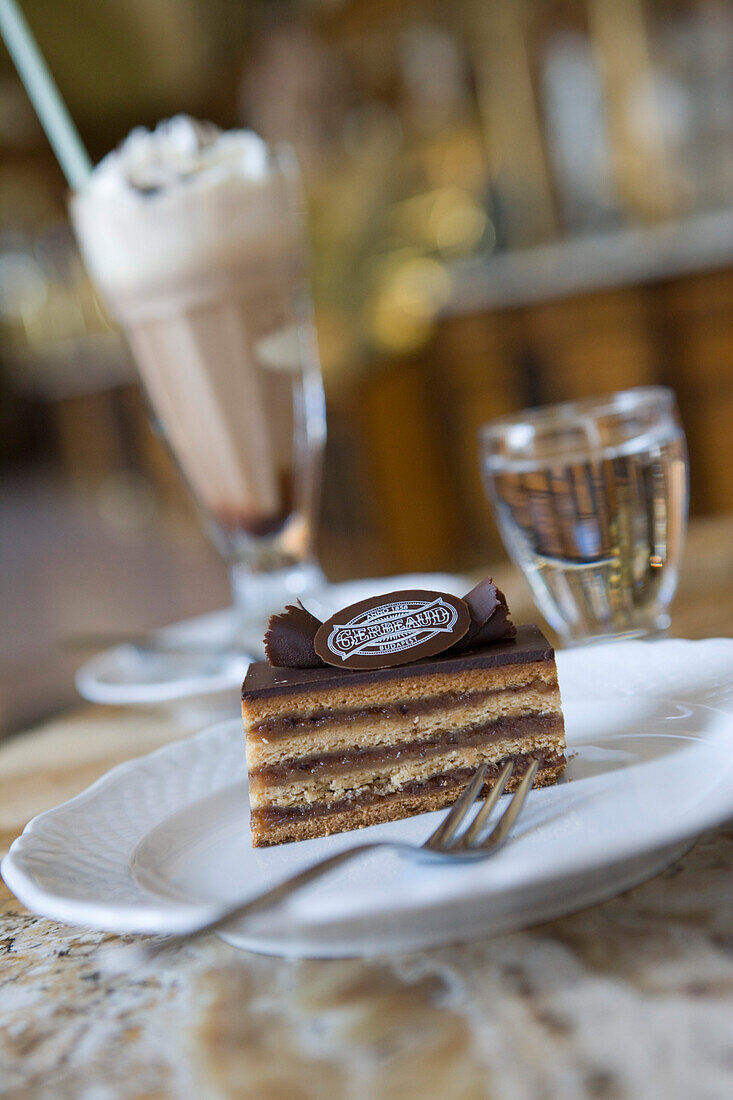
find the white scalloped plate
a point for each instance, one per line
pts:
(650, 733)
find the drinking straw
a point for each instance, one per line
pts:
(44, 95)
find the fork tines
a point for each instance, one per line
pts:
(447, 837)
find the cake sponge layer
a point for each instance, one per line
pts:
(394, 723)
(341, 694)
(273, 827)
(391, 773)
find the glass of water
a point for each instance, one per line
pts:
(591, 501)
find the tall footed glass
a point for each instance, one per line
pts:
(197, 245)
(591, 501)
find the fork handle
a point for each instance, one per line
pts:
(280, 892)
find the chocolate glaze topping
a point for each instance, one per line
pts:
(530, 645)
(290, 637)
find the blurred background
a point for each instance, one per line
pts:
(511, 202)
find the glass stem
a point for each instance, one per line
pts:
(256, 595)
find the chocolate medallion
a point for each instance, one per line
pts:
(394, 629)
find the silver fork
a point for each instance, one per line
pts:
(446, 844)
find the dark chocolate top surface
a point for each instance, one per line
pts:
(530, 644)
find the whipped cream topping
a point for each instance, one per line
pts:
(177, 212)
(178, 151)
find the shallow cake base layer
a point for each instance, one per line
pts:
(280, 826)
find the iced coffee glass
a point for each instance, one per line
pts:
(195, 239)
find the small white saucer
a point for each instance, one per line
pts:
(650, 744)
(122, 676)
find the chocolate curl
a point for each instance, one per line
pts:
(490, 619)
(289, 639)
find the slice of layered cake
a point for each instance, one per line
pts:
(388, 708)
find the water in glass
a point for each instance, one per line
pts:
(591, 501)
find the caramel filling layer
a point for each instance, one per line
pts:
(274, 815)
(286, 725)
(381, 733)
(338, 762)
(349, 696)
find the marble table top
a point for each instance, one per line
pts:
(630, 999)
